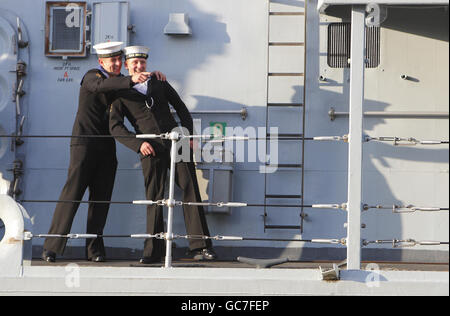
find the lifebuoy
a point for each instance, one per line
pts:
(11, 245)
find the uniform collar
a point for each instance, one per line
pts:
(106, 73)
(103, 71)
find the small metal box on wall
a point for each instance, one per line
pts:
(215, 181)
(110, 22)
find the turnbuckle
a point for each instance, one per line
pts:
(396, 141)
(343, 206)
(398, 209)
(404, 141)
(149, 202)
(396, 243)
(342, 241)
(343, 138)
(197, 237)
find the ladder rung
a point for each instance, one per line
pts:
(286, 13)
(282, 227)
(286, 44)
(286, 165)
(284, 135)
(286, 74)
(283, 196)
(285, 104)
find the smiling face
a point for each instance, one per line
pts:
(136, 65)
(112, 65)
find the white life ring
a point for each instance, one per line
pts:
(12, 218)
(11, 245)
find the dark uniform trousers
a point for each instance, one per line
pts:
(155, 174)
(93, 168)
(158, 119)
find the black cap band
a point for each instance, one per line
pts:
(119, 53)
(136, 55)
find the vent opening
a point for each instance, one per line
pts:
(65, 29)
(339, 44)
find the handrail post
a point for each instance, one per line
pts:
(357, 67)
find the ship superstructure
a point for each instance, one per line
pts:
(322, 131)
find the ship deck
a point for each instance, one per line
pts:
(184, 263)
(223, 278)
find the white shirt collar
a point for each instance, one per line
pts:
(141, 87)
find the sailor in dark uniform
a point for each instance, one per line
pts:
(146, 107)
(93, 160)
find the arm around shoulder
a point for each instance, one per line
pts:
(95, 82)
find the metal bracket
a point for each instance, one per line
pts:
(21, 42)
(330, 275)
(131, 28)
(244, 113)
(17, 171)
(21, 68)
(332, 114)
(27, 235)
(333, 274)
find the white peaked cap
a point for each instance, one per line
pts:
(109, 49)
(136, 52)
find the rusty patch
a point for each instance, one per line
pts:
(13, 240)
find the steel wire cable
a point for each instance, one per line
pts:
(394, 139)
(397, 243)
(343, 206)
(29, 236)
